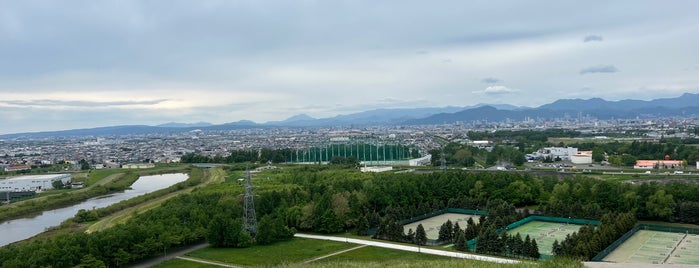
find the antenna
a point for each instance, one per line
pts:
(249, 217)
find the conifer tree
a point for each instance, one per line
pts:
(420, 235)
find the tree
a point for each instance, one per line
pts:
(89, 261)
(597, 154)
(461, 242)
(57, 184)
(84, 165)
(534, 250)
(660, 205)
(363, 226)
(420, 235)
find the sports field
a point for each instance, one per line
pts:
(432, 225)
(545, 233)
(657, 247)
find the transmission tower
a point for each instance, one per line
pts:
(249, 217)
(444, 162)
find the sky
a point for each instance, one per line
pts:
(77, 64)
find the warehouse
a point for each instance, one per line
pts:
(32, 183)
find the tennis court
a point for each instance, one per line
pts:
(433, 224)
(545, 233)
(657, 247)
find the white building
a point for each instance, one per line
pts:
(425, 160)
(581, 158)
(33, 182)
(697, 164)
(376, 169)
(564, 153)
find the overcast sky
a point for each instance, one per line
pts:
(73, 64)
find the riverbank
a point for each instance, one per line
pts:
(111, 182)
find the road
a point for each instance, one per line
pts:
(410, 248)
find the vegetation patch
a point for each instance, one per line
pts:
(284, 252)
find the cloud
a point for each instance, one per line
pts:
(497, 90)
(490, 80)
(592, 38)
(599, 69)
(77, 104)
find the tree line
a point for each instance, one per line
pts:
(325, 199)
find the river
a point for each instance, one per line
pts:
(20, 229)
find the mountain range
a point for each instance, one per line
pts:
(686, 105)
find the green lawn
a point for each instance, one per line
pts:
(178, 263)
(384, 255)
(293, 251)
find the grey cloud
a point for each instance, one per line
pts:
(599, 69)
(591, 38)
(490, 80)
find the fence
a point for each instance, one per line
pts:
(603, 254)
(372, 231)
(550, 219)
(473, 242)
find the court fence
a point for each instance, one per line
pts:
(651, 227)
(434, 242)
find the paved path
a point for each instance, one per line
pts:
(170, 255)
(409, 248)
(333, 254)
(207, 262)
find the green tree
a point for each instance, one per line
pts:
(89, 261)
(660, 205)
(597, 154)
(420, 235)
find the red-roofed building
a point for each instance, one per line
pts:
(651, 164)
(17, 168)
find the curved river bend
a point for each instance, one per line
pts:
(20, 229)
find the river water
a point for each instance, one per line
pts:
(20, 229)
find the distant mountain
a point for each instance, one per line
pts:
(686, 100)
(371, 117)
(500, 107)
(686, 105)
(99, 131)
(185, 125)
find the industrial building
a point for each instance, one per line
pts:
(32, 182)
(582, 157)
(657, 164)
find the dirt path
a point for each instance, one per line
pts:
(333, 254)
(206, 262)
(169, 256)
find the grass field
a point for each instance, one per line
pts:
(545, 233)
(293, 251)
(387, 255)
(657, 247)
(432, 225)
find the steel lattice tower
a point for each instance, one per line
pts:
(249, 217)
(444, 162)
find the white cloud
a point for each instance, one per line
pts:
(496, 90)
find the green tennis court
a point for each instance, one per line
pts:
(433, 224)
(545, 233)
(657, 247)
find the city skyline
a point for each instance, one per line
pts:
(75, 65)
